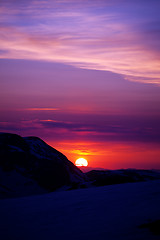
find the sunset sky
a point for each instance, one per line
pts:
(84, 76)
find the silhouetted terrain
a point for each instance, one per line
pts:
(30, 166)
(109, 177)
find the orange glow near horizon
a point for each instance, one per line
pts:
(112, 155)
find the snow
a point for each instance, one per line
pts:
(14, 184)
(110, 212)
(15, 149)
(41, 150)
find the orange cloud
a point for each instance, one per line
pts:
(42, 109)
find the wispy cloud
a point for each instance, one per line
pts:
(122, 129)
(119, 37)
(41, 109)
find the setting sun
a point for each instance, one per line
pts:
(81, 162)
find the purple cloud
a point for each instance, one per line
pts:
(113, 129)
(121, 37)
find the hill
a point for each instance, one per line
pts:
(109, 177)
(30, 166)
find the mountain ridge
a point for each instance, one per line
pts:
(31, 161)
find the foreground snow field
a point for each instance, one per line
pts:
(110, 212)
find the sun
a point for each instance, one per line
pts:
(81, 162)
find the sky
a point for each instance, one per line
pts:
(85, 77)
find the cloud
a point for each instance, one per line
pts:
(117, 37)
(41, 109)
(125, 129)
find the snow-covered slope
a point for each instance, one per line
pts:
(113, 212)
(30, 166)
